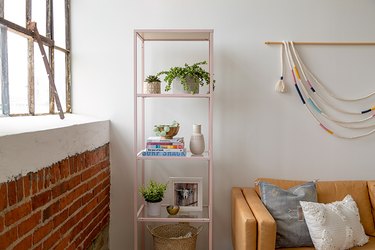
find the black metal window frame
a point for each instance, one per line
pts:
(48, 40)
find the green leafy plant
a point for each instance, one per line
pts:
(194, 72)
(154, 191)
(152, 78)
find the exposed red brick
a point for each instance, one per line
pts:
(61, 217)
(29, 224)
(40, 247)
(3, 196)
(64, 168)
(80, 162)
(1, 224)
(40, 179)
(51, 210)
(90, 172)
(27, 184)
(8, 238)
(60, 189)
(106, 182)
(72, 165)
(56, 172)
(66, 200)
(87, 243)
(75, 206)
(19, 183)
(47, 177)
(12, 193)
(17, 213)
(52, 173)
(42, 231)
(34, 184)
(24, 244)
(48, 243)
(63, 244)
(73, 182)
(41, 199)
(88, 196)
(92, 183)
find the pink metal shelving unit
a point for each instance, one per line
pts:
(140, 214)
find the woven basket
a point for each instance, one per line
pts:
(151, 87)
(173, 236)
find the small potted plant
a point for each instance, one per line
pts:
(190, 76)
(151, 85)
(153, 194)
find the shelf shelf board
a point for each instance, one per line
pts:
(194, 216)
(174, 34)
(189, 156)
(174, 95)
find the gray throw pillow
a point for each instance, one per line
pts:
(284, 207)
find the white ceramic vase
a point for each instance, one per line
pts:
(154, 208)
(197, 140)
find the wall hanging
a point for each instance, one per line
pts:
(318, 98)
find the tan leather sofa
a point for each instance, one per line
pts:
(254, 228)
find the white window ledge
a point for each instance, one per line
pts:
(30, 143)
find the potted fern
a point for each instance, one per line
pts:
(153, 194)
(190, 76)
(152, 85)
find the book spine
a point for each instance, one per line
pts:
(164, 143)
(165, 149)
(166, 154)
(165, 146)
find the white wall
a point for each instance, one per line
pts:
(257, 131)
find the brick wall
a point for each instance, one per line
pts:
(63, 206)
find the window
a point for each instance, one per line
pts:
(25, 88)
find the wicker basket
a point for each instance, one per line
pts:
(151, 87)
(175, 236)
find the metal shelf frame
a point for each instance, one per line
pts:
(141, 36)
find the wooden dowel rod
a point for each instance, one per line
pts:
(324, 43)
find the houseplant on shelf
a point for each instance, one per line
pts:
(190, 76)
(151, 85)
(153, 194)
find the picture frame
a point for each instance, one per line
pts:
(186, 192)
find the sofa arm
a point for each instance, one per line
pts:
(243, 222)
(265, 222)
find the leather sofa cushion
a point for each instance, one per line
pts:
(329, 191)
(371, 189)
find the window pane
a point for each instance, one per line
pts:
(39, 15)
(18, 80)
(15, 11)
(41, 83)
(60, 74)
(59, 22)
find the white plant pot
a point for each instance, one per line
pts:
(154, 208)
(178, 88)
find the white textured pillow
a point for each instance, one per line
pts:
(334, 225)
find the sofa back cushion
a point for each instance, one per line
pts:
(371, 191)
(330, 191)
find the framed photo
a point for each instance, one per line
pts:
(187, 193)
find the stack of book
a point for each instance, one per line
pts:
(155, 146)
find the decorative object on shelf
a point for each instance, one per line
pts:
(153, 194)
(175, 236)
(187, 193)
(197, 140)
(167, 131)
(190, 76)
(151, 85)
(155, 146)
(173, 209)
(316, 97)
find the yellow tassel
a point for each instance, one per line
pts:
(280, 86)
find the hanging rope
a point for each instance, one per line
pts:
(280, 85)
(312, 104)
